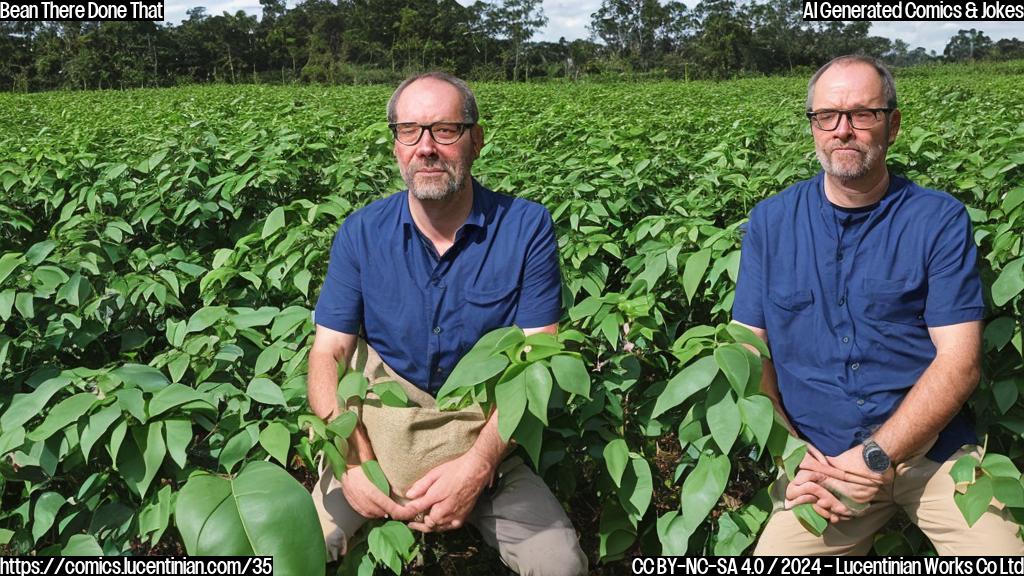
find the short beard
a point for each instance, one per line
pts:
(845, 172)
(456, 177)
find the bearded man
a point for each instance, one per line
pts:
(865, 287)
(422, 275)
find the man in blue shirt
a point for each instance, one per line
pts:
(423, 274)
(865, 287)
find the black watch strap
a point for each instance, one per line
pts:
(875, 458)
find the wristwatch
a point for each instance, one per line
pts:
(875, 458)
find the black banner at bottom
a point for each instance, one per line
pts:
(808, 566)
(124, 565)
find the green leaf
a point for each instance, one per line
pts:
(265, 391)
(206, 317)
(343, 425)
(176, 332)
(147, 378)
(392, 544)
(1009, 283)
(732, 359)
(571, 374)
(116, 439)
(963, 470)
(793, 455)
(263, 511)
(24, 407)
(510, 397)
(976, 501)
(24, 304)
(637, 488)
(999, 465)
(1009, 491)
(693, 272)
(131, 400)
(730, 540)
(373, 472)
(275, 439)
(178, 366)
(66, 412)
(758, 413)
(692, 379)
(810, 519)
(99, 423)
(172, 396)
(9, 262)
(45, 512)
(1005, 393)
(82, 545)
(301, 281)
(616, 455)
(352, 385)
(6, 304)
(701, 490)
(391, 393)
(529, 435)
(1013, 199)
(475, 367)
(178, 432)
(141, 459)
(274, 222)
(268, 359)
(238, 446)
(723, 416)
(538, 390)
(12, 439)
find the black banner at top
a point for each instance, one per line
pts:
(132, 10)
(913, 10)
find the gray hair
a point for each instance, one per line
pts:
(469, 110)
(888, 85)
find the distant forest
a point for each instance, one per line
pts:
(364, 41)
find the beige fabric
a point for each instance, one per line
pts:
(519, 516)
(433, 436)
(920, 487)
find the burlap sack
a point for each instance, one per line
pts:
(408, 442)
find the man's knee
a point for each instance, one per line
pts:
(554, 552)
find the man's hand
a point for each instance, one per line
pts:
(449, 491)
(366, 499)
(836, 493)
(807, 488)
(860, 484)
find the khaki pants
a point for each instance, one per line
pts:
(519, 516)
(924, 490)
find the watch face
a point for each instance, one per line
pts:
(876, 459)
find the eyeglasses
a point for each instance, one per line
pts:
(409, 133)
(860, 119)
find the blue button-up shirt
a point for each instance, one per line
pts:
(421, 312)
(847, 296)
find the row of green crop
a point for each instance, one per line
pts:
(160, 252)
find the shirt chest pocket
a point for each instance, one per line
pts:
(792, 301)
(487, 309)
(894, 300)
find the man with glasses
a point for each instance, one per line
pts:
(423, 274)
(865, 287)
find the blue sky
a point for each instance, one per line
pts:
(569, 19)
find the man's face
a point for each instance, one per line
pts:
(847, 153)
(430, 170)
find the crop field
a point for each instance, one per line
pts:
(161, 251)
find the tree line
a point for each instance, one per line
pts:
(363, 41)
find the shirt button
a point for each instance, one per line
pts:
(860, 401)
(437, 329)
(855, 365)
(438, 370)
(845, 339)
(839, 256)
(842, 301)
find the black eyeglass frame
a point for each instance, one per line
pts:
(813, 117)
(429, 128)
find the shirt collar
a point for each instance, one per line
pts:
(477, 217)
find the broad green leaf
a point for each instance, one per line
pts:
(530, 435)
(810, 519)
(116, 439)
(206, 317)
(9, 262)
(391, 393)
(373, 472)
(172, 396)
(616, 456)
(147, 378)
(730, 540)
(23, 303)
(82, 545)
(268, 359)
(45, 512)
(723, 416)
(352, 385)
(392, 544)
(262, 511)
(1009, 283)
(343, 425)
(963, 470)
(176, 332)
(793, 455)
(24, 407)
(6, 304)
(178, 366)
(274, 222)
(510, 397)
(131, 400)
(538, 390)
(693, 272)
(1009, 491)
(265, 391)
(701, 490)
(178, 432)
(12, 439)
(694, 378)
(66, 412)
(571, 374)
(758, 415)
(99, 422)
(732, 359)
(473, 368)
(999, 465)
(976, 501)
(141, 458)
(238, 446)
(1005, 393)
(637, 487)
(275, 439)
